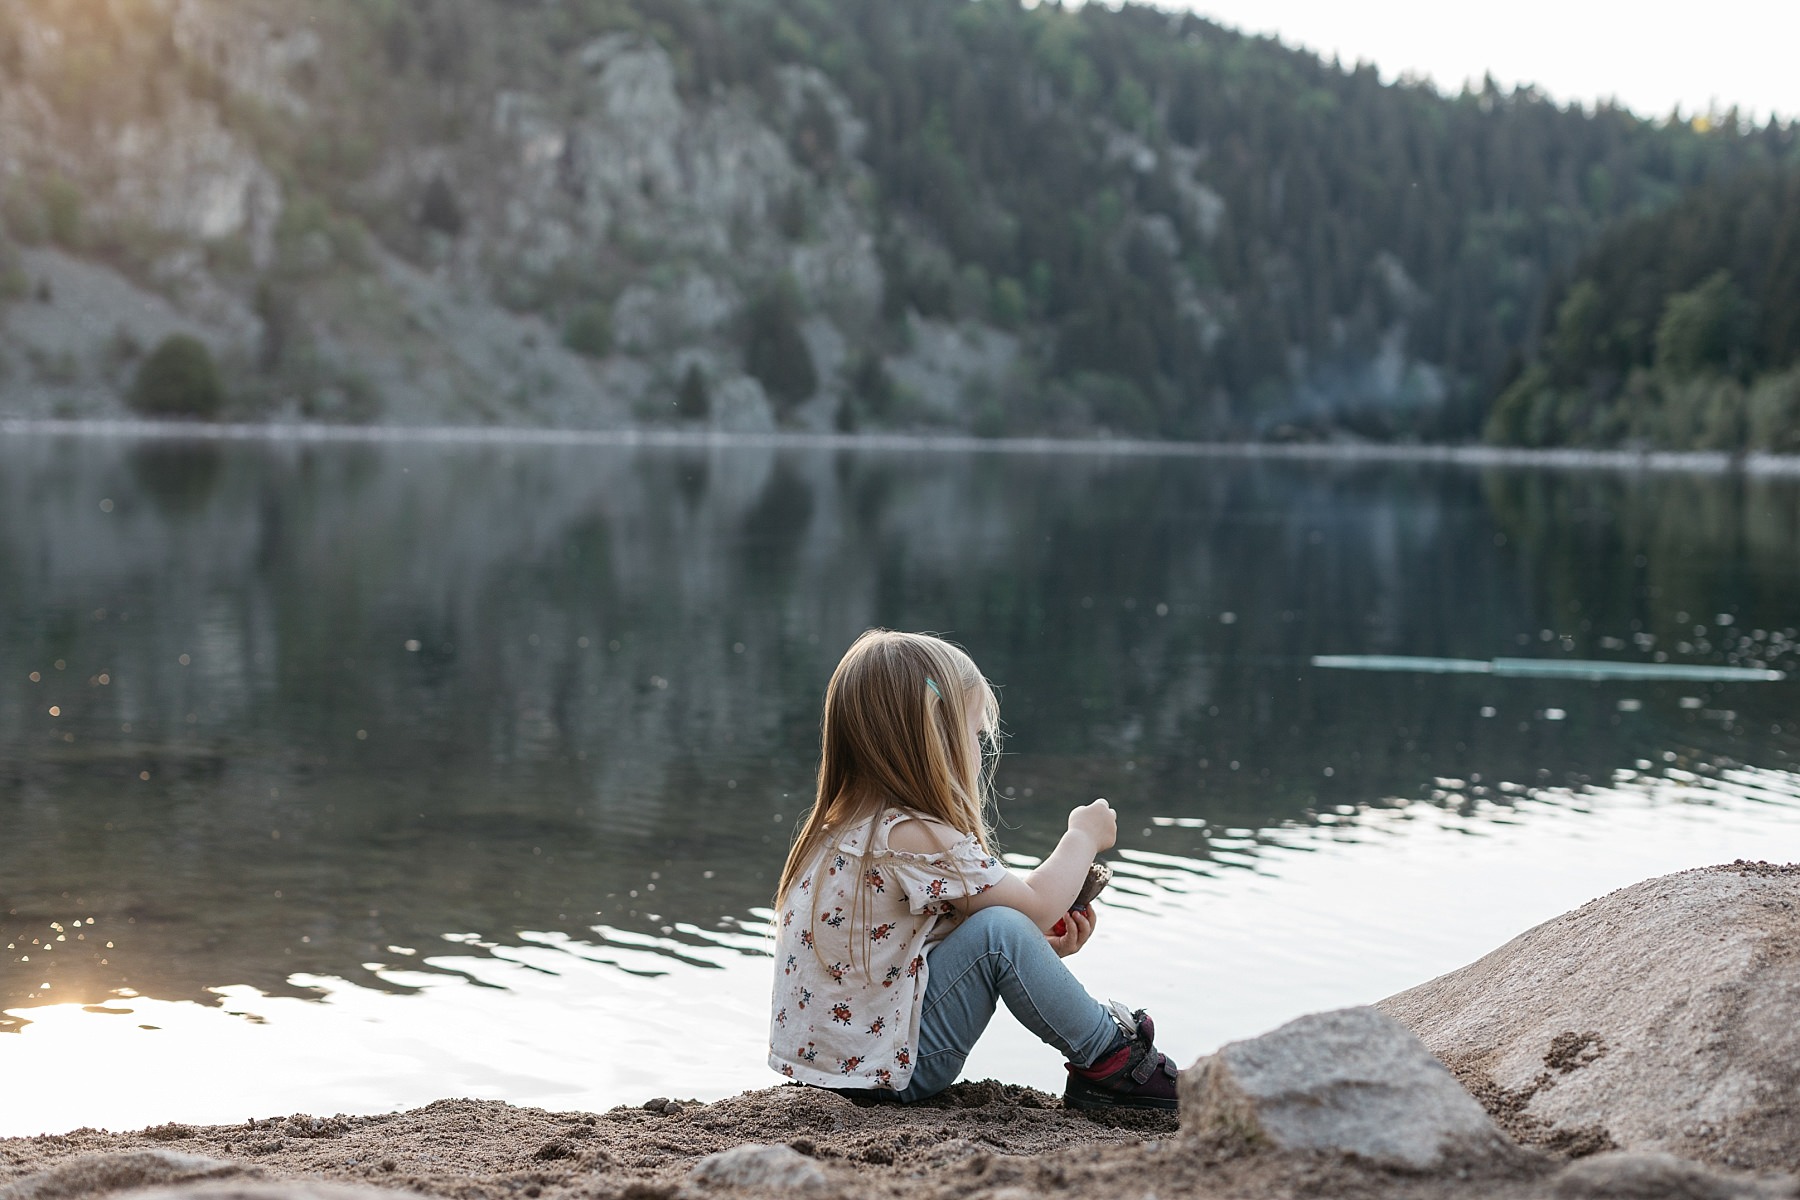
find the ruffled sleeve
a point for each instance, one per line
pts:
(931, 881)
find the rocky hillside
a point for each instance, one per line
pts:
(600, 213)
(456, 236)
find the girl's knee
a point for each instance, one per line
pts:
(1001, 925)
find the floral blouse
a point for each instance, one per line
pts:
(850, 959)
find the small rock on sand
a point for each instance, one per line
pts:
(775, 1168)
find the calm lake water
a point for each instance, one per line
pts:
(348, 777)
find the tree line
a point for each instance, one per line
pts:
(1191, 232)
(1046, 147)
(1677, 330)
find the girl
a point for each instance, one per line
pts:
(898, 926)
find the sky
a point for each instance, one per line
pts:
(1650, 55)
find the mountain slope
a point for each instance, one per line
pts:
(756, 212)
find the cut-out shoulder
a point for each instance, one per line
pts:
(921, 835)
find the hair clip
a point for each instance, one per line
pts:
(933, 687)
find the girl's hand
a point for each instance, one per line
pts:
(1079, 927)
(1098, 821)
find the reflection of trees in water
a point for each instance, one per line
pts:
(1610, 555)
(178, 477)
(511, 777)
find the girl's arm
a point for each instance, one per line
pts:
(1046, 893)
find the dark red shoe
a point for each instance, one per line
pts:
(1136, 1075)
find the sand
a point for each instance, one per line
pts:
(978, 1139)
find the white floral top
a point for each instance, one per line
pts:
(850, 965)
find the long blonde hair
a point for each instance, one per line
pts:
(896, 731)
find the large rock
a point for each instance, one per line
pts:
(1663, 1017)
(1348, 1082)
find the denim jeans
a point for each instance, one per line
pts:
(997, 953)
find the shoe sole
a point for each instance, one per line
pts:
(1100, 1100)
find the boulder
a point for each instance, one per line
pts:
(1664, 1017)
(751, 1165)
(1347, 1082)
(101, 1174)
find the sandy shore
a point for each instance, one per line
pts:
(1651, 1075)
(978, 1139)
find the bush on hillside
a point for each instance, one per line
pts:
(1772, 413)
(589, 331)
(63, 212)
(179, 379)
(1708, 328)
(693, 399)
(440, 209)
(774, 350)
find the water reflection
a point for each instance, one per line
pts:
(374, 714)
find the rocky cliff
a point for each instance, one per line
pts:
(562, 241)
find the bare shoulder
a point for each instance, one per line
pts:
(922, 835)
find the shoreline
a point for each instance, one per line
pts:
(1417, 1098)
(1713, 462)
(491, 1150)
(978, 1141)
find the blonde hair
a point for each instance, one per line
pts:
(896, 731)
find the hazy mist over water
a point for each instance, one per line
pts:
(285, 720)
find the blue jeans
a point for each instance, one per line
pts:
(996, 954)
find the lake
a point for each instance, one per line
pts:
(347, 777)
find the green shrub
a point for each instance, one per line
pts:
(1117, 403)
(178, 380)
(1505, 420)
(1009, 305)
(22, 214)
(440, 209)
(14, 283)
(1721, 415)
(346, 398)
(1578, 338)
(1772, 413)
(62, 212)
(693, 399)
(589, 331)
(310, 237)
(1511, 414)
(872, 387)
(774, 350)
(791, 215)
(1708, 328)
